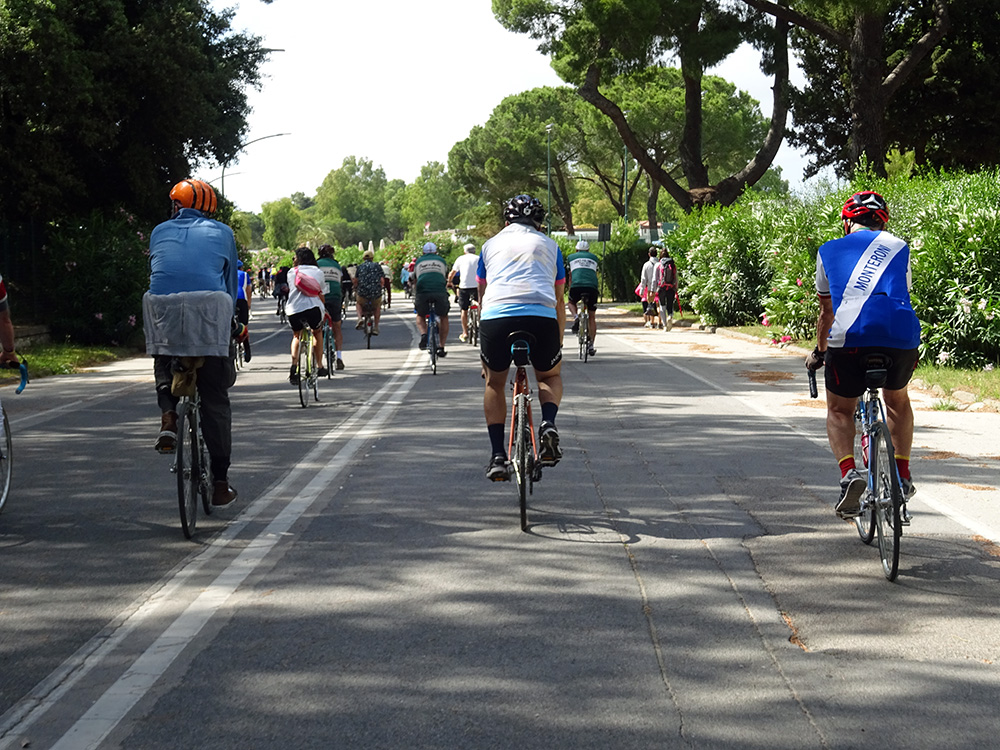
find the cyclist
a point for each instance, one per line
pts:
(368, 289)
(333, 302)
(430, 271)
(8, 355)
(863, 282)
(281, 288)
(188, 312)
(387, 283)
(583, 285)
(244, 291)
(521, 281)
(305, 308)
(464, 269)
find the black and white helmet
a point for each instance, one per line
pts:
(524, 209)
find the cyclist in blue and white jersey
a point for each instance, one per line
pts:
(863, 282)
(521, 279)
(244, 291)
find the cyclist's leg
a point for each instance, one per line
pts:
(166, 441)
(441, 307)
(214, 378)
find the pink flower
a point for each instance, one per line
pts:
(798, 281)
(131, 320)
(765, 321)
(99, 316)
(785, 339)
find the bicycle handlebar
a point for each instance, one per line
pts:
(23, 367)
(813, 390)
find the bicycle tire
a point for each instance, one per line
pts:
(887, 499)
(432, 342)
(864, 522)
(188, 472)
(6, 460)
(313, 375)
(584, 333)
(369, 325)
(474, 326)
(521, 469)
(328, 351)
(304, 372)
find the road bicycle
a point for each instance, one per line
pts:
(282, 317)
(368, 325)
(883, 507)
(7, 447)
(433, 337)
(329, 345)
(522, 446)
(473, 323)
(583, 331)
(191, 464)
(307, 369)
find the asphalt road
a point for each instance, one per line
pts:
(684, 582)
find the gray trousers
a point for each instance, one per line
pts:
(214, 379)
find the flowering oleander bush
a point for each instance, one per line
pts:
(99, 270)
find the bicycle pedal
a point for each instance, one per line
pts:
(904, 516)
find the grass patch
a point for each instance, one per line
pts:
(983, 383)
(63, 359)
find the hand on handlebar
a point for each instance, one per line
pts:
(815, 360)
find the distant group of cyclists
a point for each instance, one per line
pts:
(199, 297)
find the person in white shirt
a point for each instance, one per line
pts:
(465, 268)
(305, 307)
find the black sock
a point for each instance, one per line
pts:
(496, 439)
(549, 411)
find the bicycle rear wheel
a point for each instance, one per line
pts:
(474, 326)
(432, 342)
(304, 347)
(5, 459)
(864, 522)
(369, 324)
(328, 351)
(887, 500)
(187, 469)
(313, 375)
(206, 482)
(522, 441)
(584, 333)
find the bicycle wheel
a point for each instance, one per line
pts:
(864, 522)
(313, 375)
(304, 347)
(369, 324)
(328, 351)
(522, 441)
(474, 326)
(887, 499)
(584, 332)
(5, 459)
(432, 342)
(187, 469)
(206, 480)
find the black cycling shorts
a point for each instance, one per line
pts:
(334, 306)
(494, 346)
(845, 376)
(422, 303)
(576, 293)
(466, 295)
(313, 317)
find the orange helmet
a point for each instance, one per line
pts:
(196, 194)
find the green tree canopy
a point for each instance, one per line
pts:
(109, 102)
(352, 200)
(432, 197)
(282, 221)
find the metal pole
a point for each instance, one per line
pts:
(548, 173)
(222, 185)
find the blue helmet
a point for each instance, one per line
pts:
(430, 247)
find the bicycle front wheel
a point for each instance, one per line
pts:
(474, 326)
(887, 499)
(188, 471)
(432, 343)
(864, 522)
(206, 483)
(369, 324)
(584, 333)
(328, 351)
(313, 375)
(5, 459)
(303, 372)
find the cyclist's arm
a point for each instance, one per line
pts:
(824, 322)
(7, 337)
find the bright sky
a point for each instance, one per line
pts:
(395, 81)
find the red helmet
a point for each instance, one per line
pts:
(865, 206)
(196, 194)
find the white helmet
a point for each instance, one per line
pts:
(583, 245)
(430, 247)
(469, 248)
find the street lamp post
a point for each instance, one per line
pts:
(548, 174)
(242, 146)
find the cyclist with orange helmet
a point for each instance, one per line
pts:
(188, 312)
(863, 282)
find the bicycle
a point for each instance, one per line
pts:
(368, 325)
(308, 377)
(473, 323)
(522, 446)
(329, 347)
(583, 331)
(7, 448)
(282, 299)
(432, 337)
(191, 464)
(883, 507)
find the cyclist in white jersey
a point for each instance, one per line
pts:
(863, 282)
(521, 280)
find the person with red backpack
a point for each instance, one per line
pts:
(666, 287)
